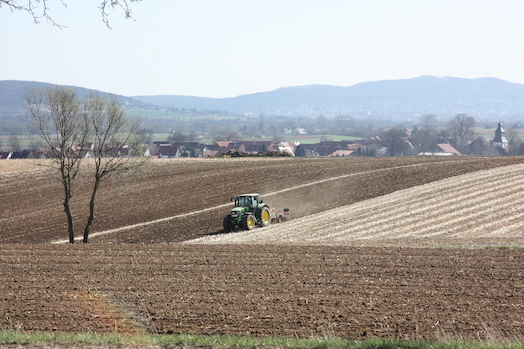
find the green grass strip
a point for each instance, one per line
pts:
(217, 341)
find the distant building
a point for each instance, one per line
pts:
(442, 149)
(500, 140)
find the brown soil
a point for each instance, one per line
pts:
(178, 191)
(139, 279)
(262, 290)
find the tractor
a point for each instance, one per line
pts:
(250, 211)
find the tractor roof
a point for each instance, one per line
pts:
(249, 194)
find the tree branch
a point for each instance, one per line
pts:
(39, 9)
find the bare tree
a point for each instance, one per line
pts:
(35, 144)
(39, 9)
(462, 128)
(55, 116)
(428, 120)
(393, 141)
(116, 139)
(512, 135)
(426, 138)
(74, 130)
(14, 142)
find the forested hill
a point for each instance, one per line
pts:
(12, 94)
(442, 96)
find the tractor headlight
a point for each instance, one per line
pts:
(234, 214)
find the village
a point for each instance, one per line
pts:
(372, 146)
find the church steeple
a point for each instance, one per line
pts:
(500, 140)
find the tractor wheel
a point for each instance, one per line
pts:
(264, 217)
(248, 222)
(226, 224)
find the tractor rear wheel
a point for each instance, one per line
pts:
(264, 217)
(248, 222)
(226, 224)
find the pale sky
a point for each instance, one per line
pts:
(226, 48)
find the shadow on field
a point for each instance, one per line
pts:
(221, 232)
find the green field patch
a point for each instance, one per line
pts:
(176, 115)
(35, 339)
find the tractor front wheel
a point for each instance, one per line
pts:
(248, 222)
(226, 224)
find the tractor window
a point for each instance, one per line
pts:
(244, 201)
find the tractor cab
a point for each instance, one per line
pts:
(250, 201)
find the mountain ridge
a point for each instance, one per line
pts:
(404, 99)
(421, 95)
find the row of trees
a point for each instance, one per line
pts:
(95, 129)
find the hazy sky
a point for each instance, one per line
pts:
(226, 48)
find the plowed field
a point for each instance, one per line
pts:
(257, 290)
(135, 276)
(482, 208)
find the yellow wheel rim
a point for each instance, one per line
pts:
(265, 216)
(251, 222)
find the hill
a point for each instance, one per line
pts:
(483, 98)
(12, 94)
(486, 99)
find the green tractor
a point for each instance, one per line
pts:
(250, 211)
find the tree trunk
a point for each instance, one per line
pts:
(67, 209)
(91, 210)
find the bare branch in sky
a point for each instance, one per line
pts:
(39, 9)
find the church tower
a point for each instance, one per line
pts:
(500, 140)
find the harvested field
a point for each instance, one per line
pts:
(350, 275)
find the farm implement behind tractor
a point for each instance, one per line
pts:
(249, 212)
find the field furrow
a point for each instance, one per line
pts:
(481, 204)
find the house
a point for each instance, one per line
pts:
(341, 152)
(480, 146)
(231, 147)
(288, 147)
(254, 147)
(442, 149)
(323, 148)
(355, 146)
(221, 144)
(169, 151)
(24, 154)
(209, 152)
(299, 131)
(448, 148)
